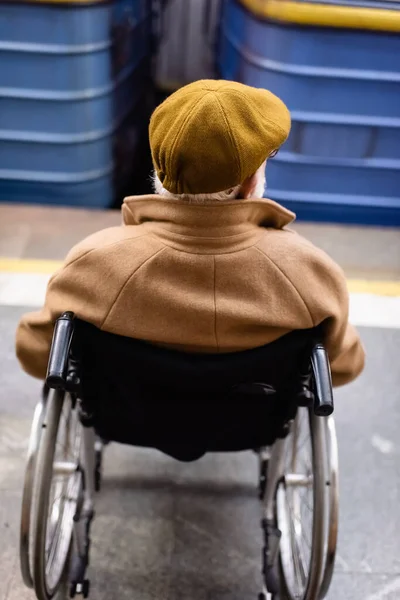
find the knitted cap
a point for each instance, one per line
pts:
(211, 135)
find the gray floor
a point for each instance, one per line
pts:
(168, 531)
(42, 232)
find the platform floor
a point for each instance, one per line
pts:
(43, 233)
(169, 531)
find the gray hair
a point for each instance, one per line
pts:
(230, 194)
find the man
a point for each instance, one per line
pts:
(206, 265)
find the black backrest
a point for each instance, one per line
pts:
(189, 404)
(134, 363)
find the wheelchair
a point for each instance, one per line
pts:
(275, 400)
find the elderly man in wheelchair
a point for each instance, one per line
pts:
(201, 324)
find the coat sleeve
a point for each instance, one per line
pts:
(323, 286)
(79, 286)
(34, 335)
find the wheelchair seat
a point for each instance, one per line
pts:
(186, 405)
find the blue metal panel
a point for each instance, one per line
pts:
(70, 75)
(364, 210)
(92, 194)
(343, 90)
(314, 46)
(311, 88)
(375, 177)
(74, 116)
(343, 140)
(93, 183)
(66, 73)
(54, 25)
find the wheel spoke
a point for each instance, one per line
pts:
(300, 446)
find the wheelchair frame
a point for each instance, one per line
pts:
(274, 483)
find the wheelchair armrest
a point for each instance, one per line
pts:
(59, 353)
(323, 400)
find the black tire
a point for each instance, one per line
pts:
(45, 587)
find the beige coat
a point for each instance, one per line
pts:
(219, 277)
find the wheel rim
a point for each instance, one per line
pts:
(64, 494)
(27, 496)
(300, 509)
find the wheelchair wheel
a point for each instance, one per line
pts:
(332, 456)
(26, 532)
(301, 508)
(58, 490)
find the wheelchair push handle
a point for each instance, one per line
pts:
(323, 396)
(59, 352)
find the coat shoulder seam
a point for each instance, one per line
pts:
(278, 268)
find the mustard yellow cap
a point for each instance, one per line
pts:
(211, 135)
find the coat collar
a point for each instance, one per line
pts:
(216, 219)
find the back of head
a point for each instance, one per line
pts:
(210, 136)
